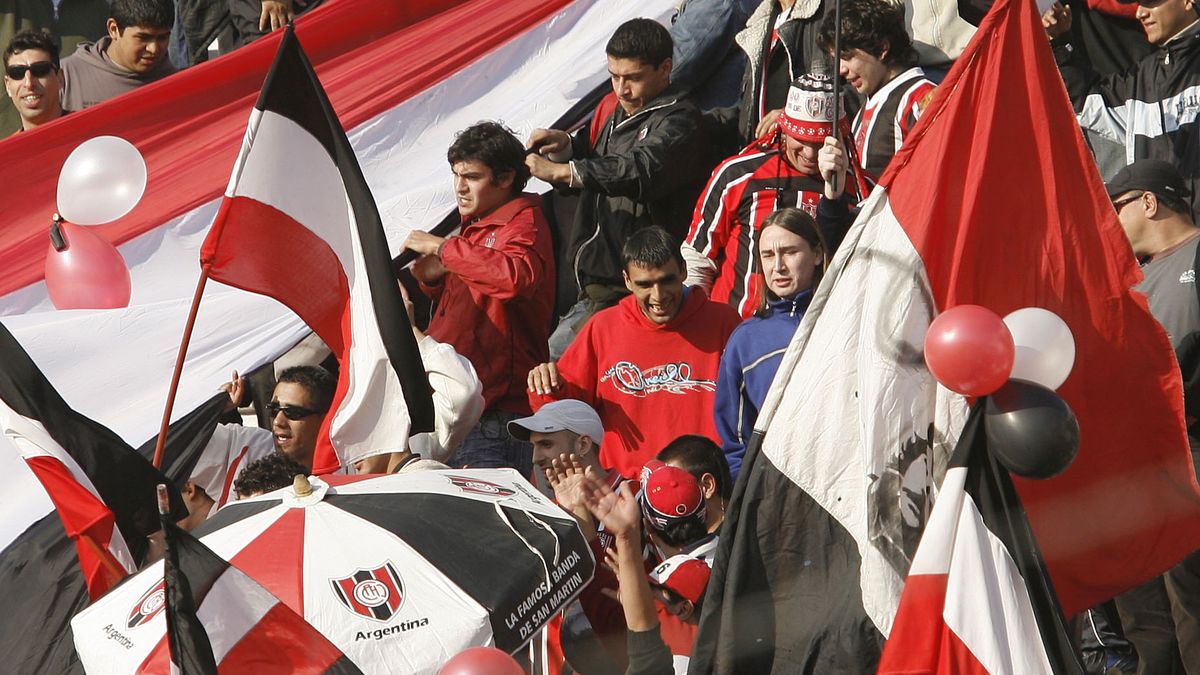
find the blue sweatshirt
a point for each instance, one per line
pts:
(748, 366)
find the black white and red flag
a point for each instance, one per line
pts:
(977, 599)
(76, 514)
(298, 223)
(993, 200)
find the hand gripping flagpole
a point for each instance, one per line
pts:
(179, 359)
(835, 180)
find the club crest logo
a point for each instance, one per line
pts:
(480, 487)
(149, 605)
(376, 594)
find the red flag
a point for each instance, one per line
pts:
(998, 192)
(992, 200)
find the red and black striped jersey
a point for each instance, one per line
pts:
(743, 191)
(883, 123)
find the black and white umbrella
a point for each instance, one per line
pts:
(400, 572)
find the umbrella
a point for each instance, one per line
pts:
(400, 572)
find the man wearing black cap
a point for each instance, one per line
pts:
(1161, 618)
(1150, 111)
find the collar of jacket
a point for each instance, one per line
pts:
(665, 99)
(797, 304)
(760, 22)
(506, 211)
(1184, 41)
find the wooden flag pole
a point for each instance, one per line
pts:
(179, 359)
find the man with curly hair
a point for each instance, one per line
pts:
(877, 59)
(494, 286)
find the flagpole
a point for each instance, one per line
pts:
(183, 347)
(837, 84)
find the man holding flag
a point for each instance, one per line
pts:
(494, 284)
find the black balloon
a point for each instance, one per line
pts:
(1031, 430)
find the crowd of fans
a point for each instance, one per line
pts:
(709, 192)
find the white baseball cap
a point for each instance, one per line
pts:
(565, 415)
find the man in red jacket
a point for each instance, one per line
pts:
(494, 286)
(649, 365)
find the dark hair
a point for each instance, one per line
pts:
(699, 455)
(33, 39)
(651, 247)
(645, 40)
(800, 224)
(496, 146)
(319, 382)
(1174, 204)
(267, 474)
(145, 13)
(872, 26)
(683, 532)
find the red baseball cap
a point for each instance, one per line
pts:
(683, 575)
(670, 495)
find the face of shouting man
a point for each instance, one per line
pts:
(658, 290)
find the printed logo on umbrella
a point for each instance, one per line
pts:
(376, 594)
(149, 605)
(480, 487)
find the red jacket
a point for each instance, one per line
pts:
(496, 301)
(649, 383)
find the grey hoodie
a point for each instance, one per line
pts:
(90, 77)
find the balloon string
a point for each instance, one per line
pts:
(183, 346)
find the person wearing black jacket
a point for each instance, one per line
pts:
(645, 165)
(1151, 111)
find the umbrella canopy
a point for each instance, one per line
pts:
(400, 572)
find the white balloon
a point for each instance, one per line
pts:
(1045, 347)
(102, 180)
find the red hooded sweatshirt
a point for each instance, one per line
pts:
(496, 301)
(649, 383)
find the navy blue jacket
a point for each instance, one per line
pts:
(748, 365)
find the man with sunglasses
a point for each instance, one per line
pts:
(298, 405)
(1161, 618)
(1149, 111)
(33, 79)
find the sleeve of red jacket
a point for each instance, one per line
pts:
(513, 269)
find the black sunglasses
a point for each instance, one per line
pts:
(292, 412)
(1122, 202)
(39, 69)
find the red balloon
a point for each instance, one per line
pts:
(482, 661)
(969, 350)
(88, 274)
